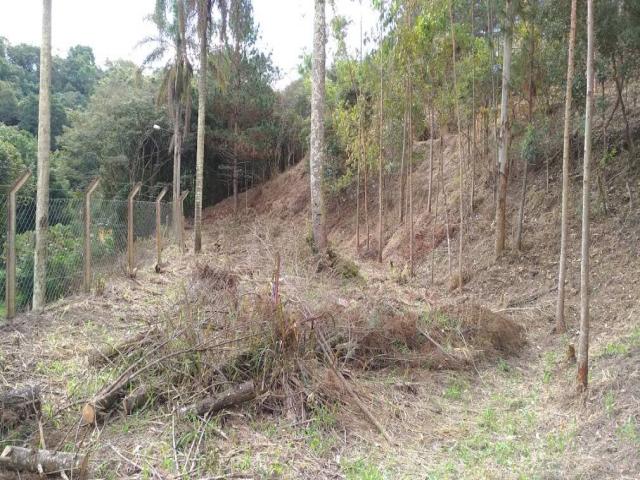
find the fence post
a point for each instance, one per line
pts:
(130, 253)
(87, 232)
(10, 283)
(183, 195)
(159, 226)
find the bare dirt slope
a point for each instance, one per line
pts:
(501, 416)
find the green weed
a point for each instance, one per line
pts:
(361, 470)
(629, 432)
(615, 349)
(609, 403)
(455, 389)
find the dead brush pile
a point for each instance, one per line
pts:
(234, 342)
(230, 345)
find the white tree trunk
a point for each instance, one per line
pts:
(177, 152)
(459, 144)
(583, 343)
(203, 20)
(503, 140)
(562, 264)
(317, 152)
(44, 145)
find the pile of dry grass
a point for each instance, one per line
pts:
(232, 344)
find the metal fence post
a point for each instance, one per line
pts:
(130, 251)
(183, 195)
(10, 282)
(87, 233)
(159, 227)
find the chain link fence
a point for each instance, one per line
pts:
(65, 259)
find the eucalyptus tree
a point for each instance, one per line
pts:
(317, 152)
(562, 264)
(505, 132)
(459, 145)
(203, 9)
(583, 342)
(44, 145)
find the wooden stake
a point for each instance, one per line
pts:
(183, 195)
(130, 252)
(159, 227)
(87, 232)
(10, 283)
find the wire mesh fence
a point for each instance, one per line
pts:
(65, 257)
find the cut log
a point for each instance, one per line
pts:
(19, 404)
(108, 352)
(136, 399)
(44, 462)
(234, 396)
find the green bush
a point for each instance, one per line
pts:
(64, 263)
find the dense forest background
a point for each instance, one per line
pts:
(112, 121)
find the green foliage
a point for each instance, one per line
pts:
(73, 79)
(18, 151)
(64, 262)
(114, 135)
(361, 469)
(530, 146)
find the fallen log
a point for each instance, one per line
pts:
(136, 399)
(233, 396)
(109, 396)
(108, 352)
(19, 404)
(44, 462)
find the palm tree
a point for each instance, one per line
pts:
(44, 144)
(204, 11)
(317, 128)
(175, 89)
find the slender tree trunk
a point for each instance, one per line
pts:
(317, 152)
(583, 342)
(619, 81)
(566, 152)
(459, 142)
(358, 188)
(504, 139)
(410, 177)
(177, 154)
(235, 165)
(446, 206)
(203, 20)
(523, 193)
(432, 135)
(362, 146)
(523, 199)
(381, 155)
(44, 146)
(495, 164)
(366, 202)
(402, 169)
(473, 107)
(434, 224)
